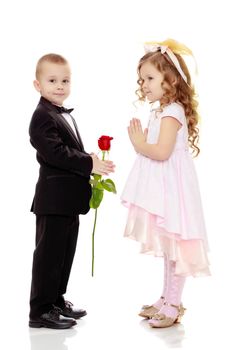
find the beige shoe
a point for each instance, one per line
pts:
(162, 321)
(148, 311)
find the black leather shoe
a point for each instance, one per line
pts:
(69, 311)
(52, 319)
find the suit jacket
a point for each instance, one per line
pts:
(63, 186)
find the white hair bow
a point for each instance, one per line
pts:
(165, 49)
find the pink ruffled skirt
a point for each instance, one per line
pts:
(190, 255)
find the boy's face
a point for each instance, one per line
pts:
(54, 82)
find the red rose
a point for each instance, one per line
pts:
(98, 185)
(104, 143)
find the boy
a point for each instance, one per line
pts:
(62, 193)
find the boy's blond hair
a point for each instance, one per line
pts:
(50, 57)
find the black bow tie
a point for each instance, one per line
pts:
(63, 109)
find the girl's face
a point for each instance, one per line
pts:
(151, 82)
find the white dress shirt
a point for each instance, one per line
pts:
(70, 122)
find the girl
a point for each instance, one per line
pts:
(162, 194)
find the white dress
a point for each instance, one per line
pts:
(165, 210)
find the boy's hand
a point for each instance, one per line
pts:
(101, 167)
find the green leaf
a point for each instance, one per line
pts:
(99, 186)
(96, 198)
(93, 182)
(97, 177)
(96, 184)
(109, 185)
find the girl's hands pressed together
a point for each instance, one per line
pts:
(136, 134)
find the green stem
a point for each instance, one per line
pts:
(93, 233)
(93, 244)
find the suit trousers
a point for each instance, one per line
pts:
(56, 239)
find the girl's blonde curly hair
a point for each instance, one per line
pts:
(175, 88)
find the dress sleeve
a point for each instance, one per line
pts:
(174, 110)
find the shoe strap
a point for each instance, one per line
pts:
(172, 305)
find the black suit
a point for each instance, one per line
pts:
(62, 193)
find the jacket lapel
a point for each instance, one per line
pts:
(60, 119)
(77, 132)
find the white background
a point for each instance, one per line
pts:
(103, 41)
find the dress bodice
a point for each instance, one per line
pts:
(175, 111)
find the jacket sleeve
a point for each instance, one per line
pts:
(46, 138)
